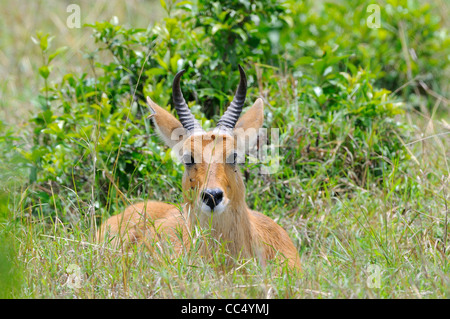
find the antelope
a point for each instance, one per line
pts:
(213, 187)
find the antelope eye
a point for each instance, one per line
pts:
(188, 160)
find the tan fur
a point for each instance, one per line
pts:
(244, 232)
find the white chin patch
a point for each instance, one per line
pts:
(217, 210)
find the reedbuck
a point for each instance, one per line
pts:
(213, 188)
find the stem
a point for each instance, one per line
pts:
(446, 223)
(45, 62)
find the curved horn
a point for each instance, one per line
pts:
(184, 114)
(230, 117)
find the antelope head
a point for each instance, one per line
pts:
(212, 182)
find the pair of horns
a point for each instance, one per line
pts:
(229, 118)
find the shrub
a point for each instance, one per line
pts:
(410, 46)
(92, 143)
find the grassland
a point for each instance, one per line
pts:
(344, 239)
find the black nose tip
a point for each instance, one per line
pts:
(212, 197)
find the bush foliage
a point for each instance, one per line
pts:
(325, 76)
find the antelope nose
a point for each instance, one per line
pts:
(212, 197)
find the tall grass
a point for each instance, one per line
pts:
(398, 229)
(401, 230)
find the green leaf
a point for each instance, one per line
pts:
(56, 53)
(45, 42)
(217, 27)
(304, 60)
(162, 63)
(163, 4)
(44, 71)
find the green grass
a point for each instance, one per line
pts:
(400, 226)
(338, 237)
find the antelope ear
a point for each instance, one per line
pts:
(247, 128)
(168, 127)
(253, 118)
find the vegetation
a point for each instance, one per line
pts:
(363, 170)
